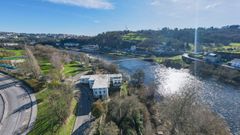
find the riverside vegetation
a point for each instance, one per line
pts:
(134, 109)
(138, 110)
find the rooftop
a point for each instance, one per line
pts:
(101, 81)
(235, 61)
(212, 54)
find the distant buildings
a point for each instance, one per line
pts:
(90, 48)
(71, 44)
(235, 63)
(10, 44)
(100, 83)
(212, 58)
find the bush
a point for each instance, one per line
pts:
(98, 109)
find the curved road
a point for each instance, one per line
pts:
(18, 109)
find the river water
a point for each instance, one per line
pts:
(222, 98)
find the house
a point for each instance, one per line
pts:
(235, 63)
(100, 84)
(212, 58)
(133, 48)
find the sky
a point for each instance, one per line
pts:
(91, 17)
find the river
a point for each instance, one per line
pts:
(222, 98)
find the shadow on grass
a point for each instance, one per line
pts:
(45, 125)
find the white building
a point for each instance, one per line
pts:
(101, 83)
(235, 63)
(133, 48)
(10, 44)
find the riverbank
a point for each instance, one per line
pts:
(222, 98)
(223, 73)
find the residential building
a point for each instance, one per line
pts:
(133, 48)
(212, 58)
(100, 84)
(235, 63)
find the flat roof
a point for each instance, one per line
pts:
(101, 81)
(115, 75)
(212, 54)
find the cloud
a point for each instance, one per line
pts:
(212, 5)
(188, 4)
(95, 4)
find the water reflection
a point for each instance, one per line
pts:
(222, 98)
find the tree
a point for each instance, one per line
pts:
(98, 109)
(110, 129)
(185, 115)
(57, 62)
(137, 78)
(32, 63)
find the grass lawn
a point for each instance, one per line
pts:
(231, 48)
(17, 53)
(74, 68)
(133, 37)
(45, 122)
(67, 128)
(160, 60)
(45, 65)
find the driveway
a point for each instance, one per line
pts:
(19, 108)
(83, 110)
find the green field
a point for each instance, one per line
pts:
(74, 68)
(160, 60)
(45, 66)
(133, 37)
(14, 53)
(231, 48)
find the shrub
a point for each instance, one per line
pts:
(98, 109)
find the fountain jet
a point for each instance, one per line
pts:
(196, 29)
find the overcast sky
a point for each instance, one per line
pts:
(90, 17)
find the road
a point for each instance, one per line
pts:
(83, 110)
(19, 109)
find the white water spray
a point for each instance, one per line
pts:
(196, 27)
(196, 35)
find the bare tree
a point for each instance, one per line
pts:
(183, 115)
(32, 63)
(57, 63)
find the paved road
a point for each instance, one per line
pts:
(83, 110)
(19, 107)
(1, 107)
